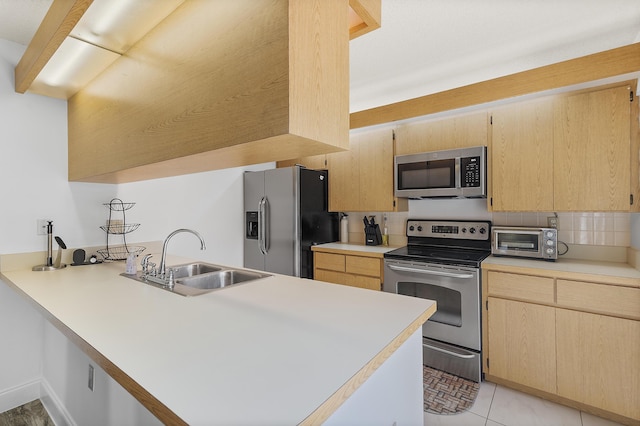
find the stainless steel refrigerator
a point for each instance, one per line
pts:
(286, 212)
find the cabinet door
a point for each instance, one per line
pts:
(361, 179)
(448, 133)
(376, 170)
(591, 151)
(344, 180)
(522, 156)
(522, 343)
(599, 361)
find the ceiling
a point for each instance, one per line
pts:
(426, 46)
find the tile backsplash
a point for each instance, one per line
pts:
(584, 228)
(590, 228)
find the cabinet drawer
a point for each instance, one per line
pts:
(330, 276)
(521, 287)
(364, 282)
(347, 279)
(602, 298)
(363, 266)
(333, 262)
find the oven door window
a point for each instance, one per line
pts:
(449, 301)
(427, 175)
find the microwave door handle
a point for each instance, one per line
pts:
(429, 272)
(458, 178)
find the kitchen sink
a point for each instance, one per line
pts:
(193, 279)
(192, 269)
(220, 279)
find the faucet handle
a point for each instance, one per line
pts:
(145, 263)
(145, 259)
(171, 278)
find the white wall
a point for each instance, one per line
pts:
(66, 373)
(21, 354)
(33, 170)
(210, 203)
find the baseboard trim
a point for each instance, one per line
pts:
(32, 390)
(18, 395)
(54, 406)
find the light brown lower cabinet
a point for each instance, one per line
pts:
(522, 339)
(356, 271)
(570, 340)
(599, 361)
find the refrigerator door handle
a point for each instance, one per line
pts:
(262, 225)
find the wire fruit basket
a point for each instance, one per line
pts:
(119, 227)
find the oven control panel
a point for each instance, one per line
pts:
(463, 230)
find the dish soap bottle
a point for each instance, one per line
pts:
(385, 235)
(131, 268)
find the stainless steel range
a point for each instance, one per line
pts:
(442, 263)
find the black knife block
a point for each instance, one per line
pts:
(372, 235)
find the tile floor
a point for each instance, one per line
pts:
(500, 406)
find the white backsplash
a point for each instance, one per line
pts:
(578, 228)
(589, 228)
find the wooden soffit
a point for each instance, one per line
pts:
(607, 64)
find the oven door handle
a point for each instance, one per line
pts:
(428, 271)
(444, 351)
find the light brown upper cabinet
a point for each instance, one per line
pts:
(564, 153)
(361, 179)
(215, 84)
(448, 133)
(591, 151)
(521, 156)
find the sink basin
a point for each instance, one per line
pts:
(220, 279)
(192, 279)
(191, 269)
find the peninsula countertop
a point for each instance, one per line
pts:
(281, 348)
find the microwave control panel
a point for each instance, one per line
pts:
(470, 167)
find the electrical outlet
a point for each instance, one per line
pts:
(91, 377)
(552, 221)
(42, 226)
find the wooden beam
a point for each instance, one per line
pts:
(370, 11)
(62, 17)
(610, 63)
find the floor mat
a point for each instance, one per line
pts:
(445, 393)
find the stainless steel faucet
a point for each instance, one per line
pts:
(166, 242)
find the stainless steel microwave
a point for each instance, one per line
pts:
(537, 243)
(455, 173)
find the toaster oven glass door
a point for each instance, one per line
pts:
(518, 241)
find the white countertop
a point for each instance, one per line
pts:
(613, 270)
(270, 350)
(355, 247)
